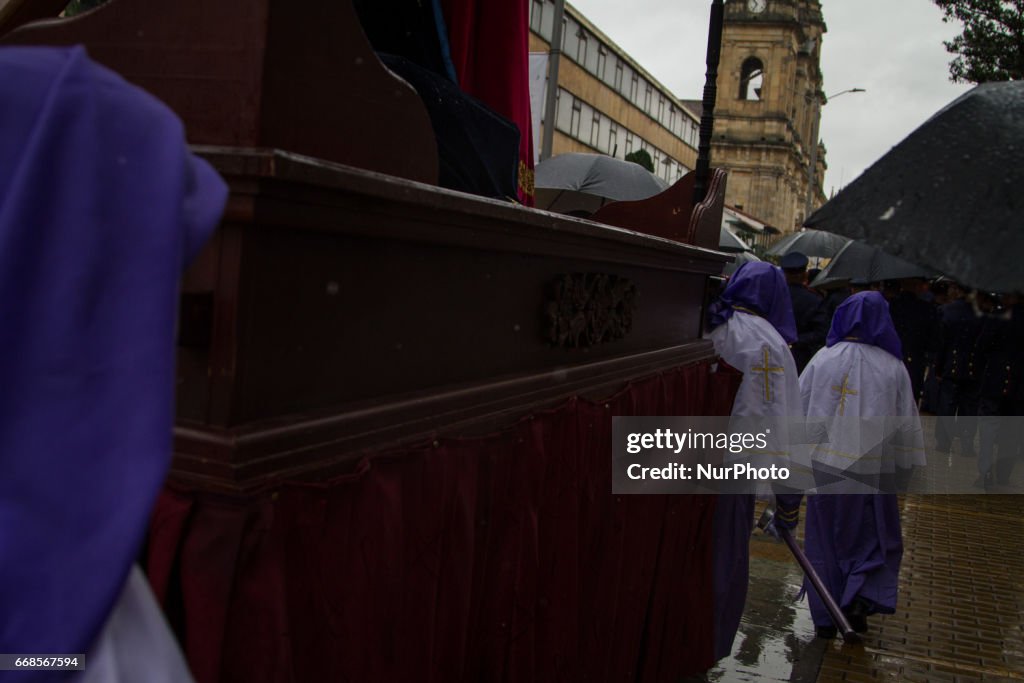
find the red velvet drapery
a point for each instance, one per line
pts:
(489, 46)
(503, 558)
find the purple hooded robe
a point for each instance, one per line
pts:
(854, 540)
(101, 207)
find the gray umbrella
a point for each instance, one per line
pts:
(740, 258)
(810, 243)
(577, 181)
(949, 196)
(729, 241)
(860, 261)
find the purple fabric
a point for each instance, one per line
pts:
(854, 543)
(760, 288)
(101, 207)
(864, 318)
(733, 524)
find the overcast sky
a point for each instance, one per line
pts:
(891, 48)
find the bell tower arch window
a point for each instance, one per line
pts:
(751, 77)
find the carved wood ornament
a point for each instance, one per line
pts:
(587, 309)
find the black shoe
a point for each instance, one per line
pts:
(857, 614)
(859, 624)
(826, 632)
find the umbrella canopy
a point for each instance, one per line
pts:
(730, 241)
(577, 181)
(810, 243)
(949, 195)
(858, 260)
(740, 258)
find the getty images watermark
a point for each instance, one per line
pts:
(826, 455)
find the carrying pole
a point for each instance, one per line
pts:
(707, 117)
(841, 622)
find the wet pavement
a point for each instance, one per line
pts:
(960, 615)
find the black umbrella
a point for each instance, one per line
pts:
(576, 181)
(949, 196)
(860, 261)
(809, 243)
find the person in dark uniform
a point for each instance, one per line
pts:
(918, 328)
(860, 284)
(998, 356)
(834, 297)
(1011, 445)
(812, 273)
(811, 323)
(937, 297)
(959, 325)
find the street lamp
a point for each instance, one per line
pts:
(812, 167)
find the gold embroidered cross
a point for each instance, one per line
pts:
(844, 391)
(767, 369)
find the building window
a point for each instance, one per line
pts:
(536, 15)
(751, 77)
(586, 123)
(634, 93)
(574, 123)
(563, 114)
(661, 109)
(647, 99)
(618, 77)
(581, 50)
(602, 61)
(613, 140)
(672, 120)
(595, 130)
(629, 142)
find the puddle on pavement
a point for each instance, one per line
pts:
(776, 638)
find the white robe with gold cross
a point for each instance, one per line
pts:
(770, 386)
(861, 396)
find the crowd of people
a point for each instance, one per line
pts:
(963, 351)
(863, 350)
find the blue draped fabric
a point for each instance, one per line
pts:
(864, 318)
(760, 288)
(101, 207)
(855, 545)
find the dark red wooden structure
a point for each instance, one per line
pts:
(392, 458)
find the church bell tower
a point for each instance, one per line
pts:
(769, 104)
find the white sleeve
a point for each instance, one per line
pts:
(136, 643)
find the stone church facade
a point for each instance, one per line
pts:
(768, 108)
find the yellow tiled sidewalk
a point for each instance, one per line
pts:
(961, 605)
